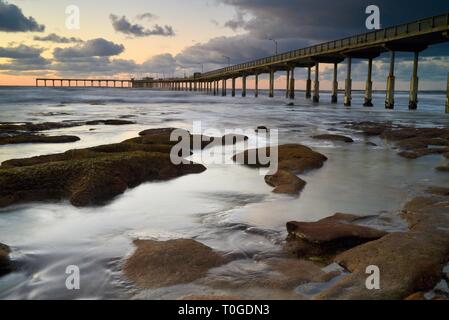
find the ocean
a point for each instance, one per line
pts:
(228, 207)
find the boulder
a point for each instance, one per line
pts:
(295, 158)
(333, 137)
(285, 182)
(157, 264)
(327, 237)
(31, 138)
(89, 176)
(5, 263)
(409, 261)
(443, 191)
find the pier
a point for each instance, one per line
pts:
(413, 37)
(95, 83)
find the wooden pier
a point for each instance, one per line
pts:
(94, 83)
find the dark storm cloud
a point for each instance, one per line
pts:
(93, 48)
(53, 37)
(323, 19)
(12, 19)
(122, 25)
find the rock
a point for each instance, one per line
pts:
(5, 263)
(109, 122)
(29, 127)
(333, 137)
(418, 153)
(88, 176)
(328, 236)
(295, 158)
(35, 127)
(37, 139)
(155, 136)
(372, 144)
(157, 264)
(409, 261)
(278, 274)
(370, 128)
(416, 296)
(285, 182)
(443, 168)
(407, 134)
(443, 191)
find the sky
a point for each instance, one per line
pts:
(137, 38)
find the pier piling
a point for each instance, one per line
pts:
(348, 84)
(369, 85)
(292, 83)
(334, 98)
(309, 83)
(414, 83)
(389, 101)
(316, 85)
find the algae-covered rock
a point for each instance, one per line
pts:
(295, 158)
(333, 137)
(409, 262)
(157, 264)
(88, 176)
(31, 138)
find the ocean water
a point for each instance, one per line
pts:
(228, 207)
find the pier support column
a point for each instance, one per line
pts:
(256, 85)
(389, 101)
(447, 95)
(215, 87)
(223, 87)
(316, 85)
(334, 98)
(271, 93)
(348, 85)
(309, 83)
(287, 81)
(413, 104)
(233, 87)
(291, 90)
(369, 85)
(195, 86)
(244, 86)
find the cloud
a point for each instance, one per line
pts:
(241, 48)
(322, 19)
(92, 48)
(146, 16)
(23, 59)
(20, 52)
(162, 63)
(12, 19)
(53, 37)
(122, 25)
